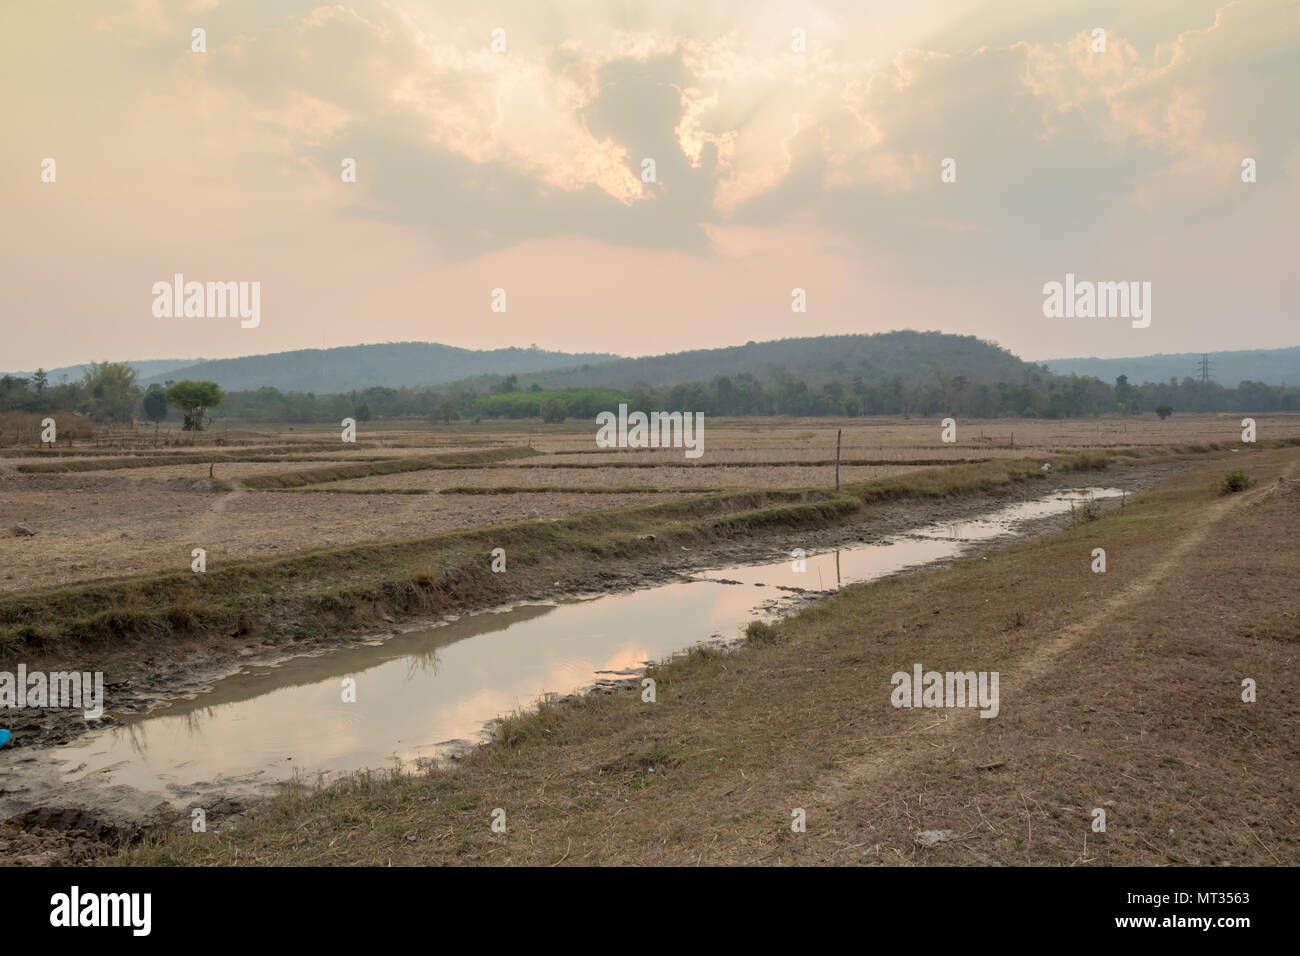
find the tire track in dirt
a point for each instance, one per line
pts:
(1034, 666)
(922, 741)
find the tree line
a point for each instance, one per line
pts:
(108, 392)
(1037, 395)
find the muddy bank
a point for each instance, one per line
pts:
(664, 566)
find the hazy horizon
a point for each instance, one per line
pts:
(615, 357)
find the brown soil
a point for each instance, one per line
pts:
(99, 525)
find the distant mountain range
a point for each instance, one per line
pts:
(1229, 369)
(146, 368)
(917, 358)
(912, 356)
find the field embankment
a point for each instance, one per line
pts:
(350, 587)
(391, 466)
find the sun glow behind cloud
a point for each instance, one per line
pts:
(522, 170)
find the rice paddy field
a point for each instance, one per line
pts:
(134, 502)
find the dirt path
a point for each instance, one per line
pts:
(1177, 554)
(208, 526)
(906, 747)
(1076, 654)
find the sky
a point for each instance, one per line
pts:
(502, 145)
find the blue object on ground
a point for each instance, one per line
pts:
(5, 737)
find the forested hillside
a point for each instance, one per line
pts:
(394, 364)
(915, 357)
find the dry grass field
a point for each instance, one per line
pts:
(123, 505)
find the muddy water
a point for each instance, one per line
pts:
(425, 693)
(834, 569)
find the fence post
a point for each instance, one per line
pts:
(838, 433)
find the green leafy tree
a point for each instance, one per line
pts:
(1164, 411)
(155, 403)
(193, 399)
(111, 391)
(362, 413)
(13, 392)
(155, 406)
(1123, 392)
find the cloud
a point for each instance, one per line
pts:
(554, 130)
(1066, 158)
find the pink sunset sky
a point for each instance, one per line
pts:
(776, 167)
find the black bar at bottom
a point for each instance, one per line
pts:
(951, 907)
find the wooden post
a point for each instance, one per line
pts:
(838, 433)
(1013, 441)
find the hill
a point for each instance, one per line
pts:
(915, 357)
(393, 364)
(1270, 366)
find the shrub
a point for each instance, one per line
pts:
(1088, 510)
(1233, 482)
